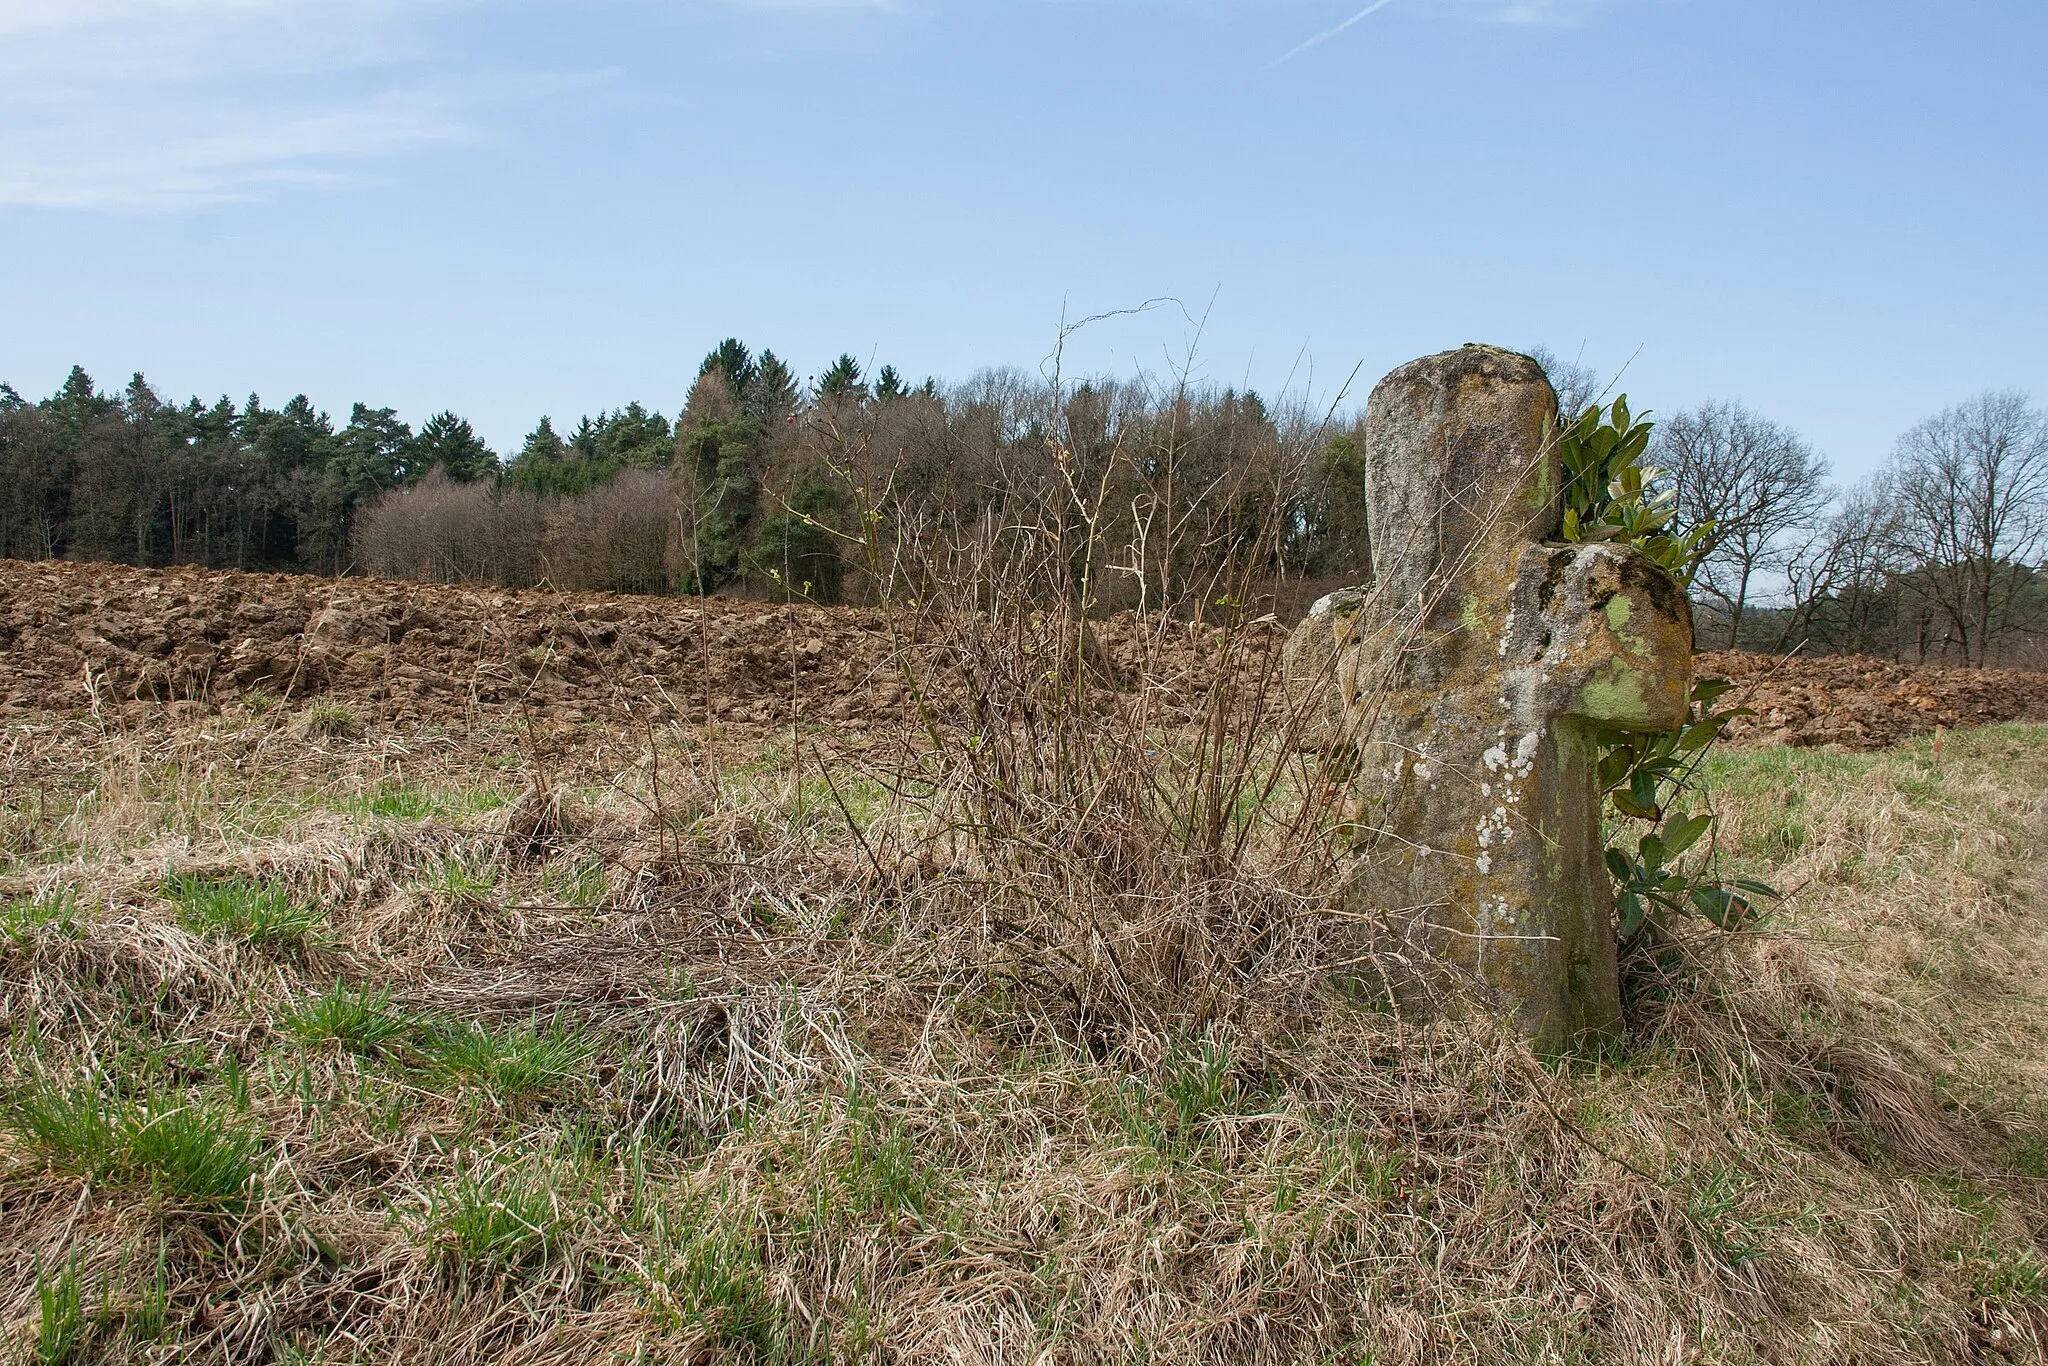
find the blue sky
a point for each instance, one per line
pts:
(1833, 211)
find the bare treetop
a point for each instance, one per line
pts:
(1754, 480)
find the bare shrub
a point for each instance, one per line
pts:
(615, 537)
(1120, 816)
(441, 531)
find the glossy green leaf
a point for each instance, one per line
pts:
(1618, 864)
(1715, 904)
(1683, 832)
(1631, 908)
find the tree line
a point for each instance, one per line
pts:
(846, 486)
(1938, 555)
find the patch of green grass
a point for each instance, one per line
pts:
(459, 878)
(1799, 1115)
(60, 1322)
(2028, 1154)
(502, 1220)
(2009, 1277)
(357, 1021)
(396, 801)
(583, 885)
(330, 720)
(1714, 1205)
(1165, 1113)
(707, 1277)
(511, 1065)
(262, 912)
(1772, 770)
(21, 921)
(881, 1173)
(183, 1151)
(150, 1319)
(1198, 1082)
(475, 799)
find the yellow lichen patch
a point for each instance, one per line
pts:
(1616, 696)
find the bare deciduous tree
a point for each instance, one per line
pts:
(442, 531)
(1755, 480)
(1840, 577)
(1972, 490)
(1577, 384)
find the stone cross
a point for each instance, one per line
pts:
(1471, 677)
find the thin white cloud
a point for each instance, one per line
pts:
(149, 106)
(156, 105)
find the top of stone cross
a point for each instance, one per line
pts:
(1455, 453)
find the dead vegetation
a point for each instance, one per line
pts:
(1006, 1033)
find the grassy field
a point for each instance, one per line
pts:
(325, 1045)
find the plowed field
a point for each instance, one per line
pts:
(75, 638)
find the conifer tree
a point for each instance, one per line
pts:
(450, 443)
(843, 380)
(734, 361)
(773, 393)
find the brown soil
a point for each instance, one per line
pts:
(75, 638)
(1858, 703)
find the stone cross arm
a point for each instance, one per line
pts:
(1597, 632)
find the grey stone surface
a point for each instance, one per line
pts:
(1469, 681)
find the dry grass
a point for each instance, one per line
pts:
(1022, 1049)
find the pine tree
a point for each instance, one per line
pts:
(76, 404)
(773, 392)
(796, 550)
(842, 380)
(889, 386)
(539, 466)
(732, 358)
(634, 438)
(294, 437)
(452, 444)
(373, 452)
(726, 459)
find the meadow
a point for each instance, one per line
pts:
(331, 1039)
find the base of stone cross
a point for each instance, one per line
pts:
(1462, 692)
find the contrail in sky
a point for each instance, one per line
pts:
(1374, 8)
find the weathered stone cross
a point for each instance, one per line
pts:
(1471, 677)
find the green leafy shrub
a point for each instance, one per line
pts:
(1608, 490)
(1610, 495)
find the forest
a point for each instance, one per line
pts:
(845, 487)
